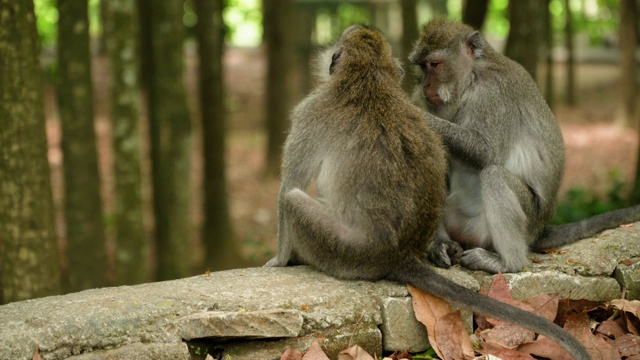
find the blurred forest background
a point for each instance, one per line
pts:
(140, 139)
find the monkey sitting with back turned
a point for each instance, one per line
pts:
(507, 154)
(380, 181)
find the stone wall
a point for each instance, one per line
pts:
(256, 313)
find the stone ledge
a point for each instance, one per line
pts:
(258, 312)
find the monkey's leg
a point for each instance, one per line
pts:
(506, 200)
(323, 241)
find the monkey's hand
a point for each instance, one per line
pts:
(276, 262)
(444, 252)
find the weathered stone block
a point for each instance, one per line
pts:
(529, 284)
(276, 323)
(175, 351)
(628, 276)
(400, 329)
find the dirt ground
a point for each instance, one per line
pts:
(595, 142)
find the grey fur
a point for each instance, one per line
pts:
(380, 180)
(507, 154)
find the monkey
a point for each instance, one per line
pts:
(506, 154)
(379, 173)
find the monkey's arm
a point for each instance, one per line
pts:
(465, 144)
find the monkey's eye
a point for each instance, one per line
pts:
(434, 64)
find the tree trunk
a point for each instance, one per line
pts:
(29, 254)
(474, 12)
(132, 248)
(439, 8)
(628, 66)
(571, 62)
(170, 134)
(628, 63)
(410, 33)
(278, 39)
(82, 204)
(217, 234)
(548, 93)
(525, 33)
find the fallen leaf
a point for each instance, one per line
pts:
(628, 345)
(315, 353)
(507, 336)
(501, 353)
(291, 354)
(546, 348)
(354, 353)
(545, 305)
(428, 309)
(631, 306)
(570, 307)
(578, 326)
(209, 357)
(611, 329)
(36, 354)
(451, 337)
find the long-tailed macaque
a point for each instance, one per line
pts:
(507, 154)
(379, 175)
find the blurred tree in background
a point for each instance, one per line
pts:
(181, 68)
(29, 258)
(83, 206)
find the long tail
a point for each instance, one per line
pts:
(421, 276)
(554, 236)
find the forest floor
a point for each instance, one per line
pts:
(595, 141)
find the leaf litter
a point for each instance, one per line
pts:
(608, 330)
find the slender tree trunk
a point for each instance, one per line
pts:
(170, 134)
(474, 12)
(628, 63)
(571, 59)
(30, 266)
(121, 30)
(304, 49)
(548, 93)
(217, 234)
(525, 33)
(82, 202)
(629, 68)
(410, 34)
(278, 39)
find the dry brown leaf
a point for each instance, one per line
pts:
(451, 337)
(504, 353)
(291, 354)
(611, 328)
(507, 336)
(209, 357)
(36, 354)
(631, 306)
(545, 305)
(578, 326)
(569, 307)
(546, 348)
(315, 353)
(428, 310)
(354, 353)
(628, 345)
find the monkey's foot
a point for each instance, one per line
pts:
(444, 253)
(481, 259)
(275, 262)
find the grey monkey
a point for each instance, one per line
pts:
(379, 174)
(507, 154)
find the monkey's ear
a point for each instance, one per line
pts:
(474, 45)
(334, 61)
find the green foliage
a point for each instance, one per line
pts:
(580, 204)
(244, 22)
(47, 21)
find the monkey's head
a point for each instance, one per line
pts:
(359, 49)
(445, 53)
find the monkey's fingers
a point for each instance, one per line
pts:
(444, 253)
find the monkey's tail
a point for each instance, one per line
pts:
(554, 236)
(421, 276)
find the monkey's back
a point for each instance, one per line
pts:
(388, 154)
